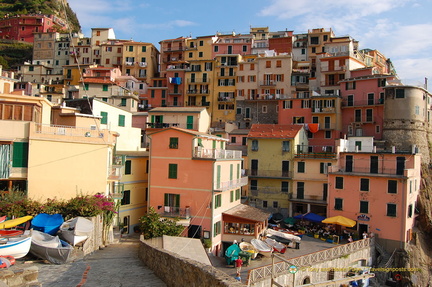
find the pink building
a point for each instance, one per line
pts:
(377, 189)
(193, 176)
(363, 102)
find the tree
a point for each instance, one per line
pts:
(152, 225)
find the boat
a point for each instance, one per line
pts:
(11, 233)
(51, 248)
(3, 218)
(262, 247)
(248, 247)
(277, 246)
(47, 223)
(17, 247)
(76, 230)
(288, 236)
(15, 222)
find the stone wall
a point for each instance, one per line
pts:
(179, 271)
(17, 276)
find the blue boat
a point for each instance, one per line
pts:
(47, 223)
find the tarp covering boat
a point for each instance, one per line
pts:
(47, 223)
(283, 234)
(51, 248)
(263, 248)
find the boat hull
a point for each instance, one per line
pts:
(16, 247)
(248, 247)
(51, 248)
(262, 247)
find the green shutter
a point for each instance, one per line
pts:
(214, 144)
(218, 176)
(231, 171)
(238, 171)
(105, 88)
(20, 154)
(121, 121)
(104, 119)
(128, 167)
(172, 170)
(231, 195)
(189, 122)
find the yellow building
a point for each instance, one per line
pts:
(53, 161)
(140, 60)
(271, 163)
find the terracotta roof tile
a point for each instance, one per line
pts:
(98, 81)
(274, 131)
(248, 212)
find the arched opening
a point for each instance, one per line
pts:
(306, 280)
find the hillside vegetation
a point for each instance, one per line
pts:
(55, 7)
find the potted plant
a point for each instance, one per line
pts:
(207, 244)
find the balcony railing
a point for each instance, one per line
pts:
(232, 184)
(367, 170)
(324, 110)
(303, 197)
(172, 211)
(346, 103)
(267, 83)
(216, 153)
(255, 190)
(322, 155)
(115, 173)
(269, 173)
(168, 125)
(198, 80)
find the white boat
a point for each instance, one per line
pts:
(51, 248)
(262, 247)
(288, 236)
(277, 246)
(17, 247)
(76, 230)
(248, 247)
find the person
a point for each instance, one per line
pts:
(238, 264)
(237, 277)
(365, 235)
(350, 239)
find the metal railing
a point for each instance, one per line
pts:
(265, 272)
(216, 153)
(232, 184)
(368, 170)
(172, 211)
(269, 173)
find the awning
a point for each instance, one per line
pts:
(313, 128)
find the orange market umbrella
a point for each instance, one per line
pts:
(340, 220)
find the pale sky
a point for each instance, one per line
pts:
(400, 29)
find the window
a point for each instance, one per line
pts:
(86, 87)
(218, 201)
(301, 167)
(275, 204)
(264, 109)
(400, 93)
(300, 190)
(364, 206)
(410, 211)
(231, 195)
(328, 134)
(126, 197)
(264, 204)
(392, 186)
(20, 154)
(285, 186)
(278, 64)
(233, 139)
(391, 209)
(128, 167)
(254, 184)
(254, 145)
(364, 184)
(123, 103)
(324, 167)
(350, 100)
(339, 182)
(217, 228)
(216, 48)
(201, 43)
(357, 115)
(121, 120)
(143, 49)
(104, 119)
(285, 146)
(287, 104)
(338, 204)
(130, 48)
(369, 115)
(173, 143)
(172, 170)
(237, 194)
(268, 64)
(200, 54)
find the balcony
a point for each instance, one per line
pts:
(226, 99)
(317, 199)
(168, 125)
(200, 152)
(226, 75)
(267, 83)
(361, 103)
(197, 92)
(328, 110)
(256, 190)
(380, 171)
(269, 173)
(118, 191)
(320, 155)
(198, 80)
(174, 212)
(115, 173)
(232, 184)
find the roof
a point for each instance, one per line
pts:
(98, 81)
(274, 131)
(177, 110)
(239, 132)
(248, 212)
